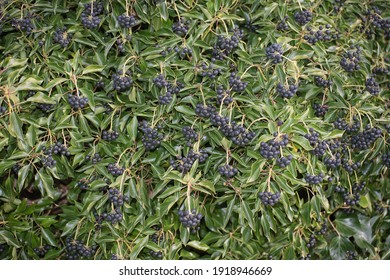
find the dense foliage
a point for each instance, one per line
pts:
(189, 129)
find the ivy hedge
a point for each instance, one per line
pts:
(187, 129)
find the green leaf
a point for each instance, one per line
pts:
(338, 247)
(185, 110)
(305, 213)
(30, 84)
(5, 165)
(229, 211)
(22, 176)
(69, 227)
(303, 142)
(247, 213)
(256, 169)
(40, 97)
(49, 237)
(54, 83)
(198, 245)
(132, 128)
(15, 127)
(140, 244)
(45, 184)
(93, 69)
(9, 238)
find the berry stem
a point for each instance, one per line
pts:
(127, 8)
(189, 196)
(74, 80)
(269, 180)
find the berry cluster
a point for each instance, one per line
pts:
(312, 241)
(268, 198)
(314, 179)
(190, 220)
(303, 17)
(62, 37)
(250, 26)
(3, 109)
(321, 82)
(171, 88)
(83, 185)
(204, 111)
(225, 46)
(151, 138)
(126, 21)
(2, 248)
(353, 198)
(337, 5)
(333, 161)
(183, 52)
(282, 25)
(156, 254)
(238, 134)
(90, 16)
(350, 60)
(158, 236)
(363, 140)
(45, 107)
(284, 161)
(181, 27)
(274, 53)
(77, 102)
(373, 22)
(386, 159)
(378, 70)
(113, 218)
(15, 168)
(320, 35)
(160, 81)
(99, 85)
(227, 171)
(189, 134)
(120, 46)
(320, 110)
(340, 124)
(115, 170)
(350, 255)
(42, 250)
(210, 71)
(116, 198)
(372, 86)
(95, 158)
(57, 149)
(350, 166)
(122, 81)
(76, 250)
(110, 135)
(223, 96)
(184, 164)
(23, 24)
(349, 128)
(47, 159)
(287, 91)
(320, 147)
(306, 258)
(323, 230)
(235, 83)
(271, 148)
